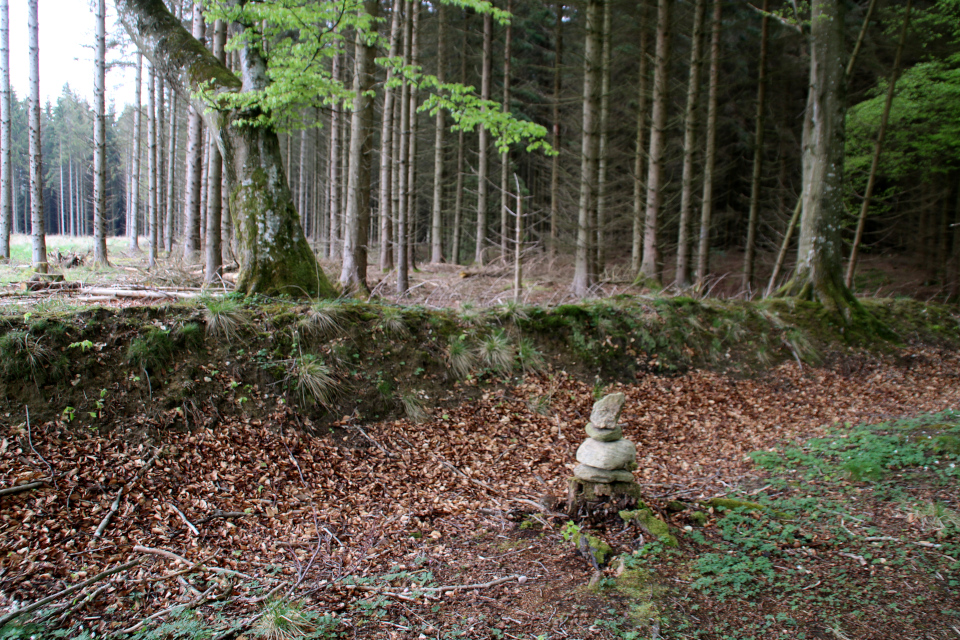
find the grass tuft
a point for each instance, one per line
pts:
(224, 317)
(323, 319)
(284, 619)
(531, 360)
(189, 335)
(414, 407)
(23, 354)
(315, 381)
(151, 350)
(460, 356)
(392, 321)
(496, 352)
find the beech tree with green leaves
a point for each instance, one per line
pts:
(273, 88)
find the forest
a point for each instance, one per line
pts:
(620, 319)
(693, 150)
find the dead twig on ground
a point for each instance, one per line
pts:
(193, 565)
(189, 524)
(21, 488)
(62, 594)
(222, 514)
(35, 452)
(115, 506)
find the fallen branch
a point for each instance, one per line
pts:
(68, 609)
(372, 441)
(115, 506)
(20, 488)
(193, 565)
(854, 556)
(479, 483)
(77, 587)
(138, 293)
(451, 588)
(30, 442)
(199, 600)
(222, 514)
(189, 524)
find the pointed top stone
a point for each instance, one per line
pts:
(606, 412)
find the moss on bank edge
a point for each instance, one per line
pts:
(380, 354)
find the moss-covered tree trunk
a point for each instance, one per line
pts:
(273, 252)
(818, 274)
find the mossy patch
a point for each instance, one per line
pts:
(732, 504)
(151, 350)
(600, 550)
(652, 524)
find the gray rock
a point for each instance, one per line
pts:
(621, 454)
(606, 412)
(604, 435)
(592, 474)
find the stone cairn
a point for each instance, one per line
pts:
(603, 481)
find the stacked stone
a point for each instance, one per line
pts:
(605, 457)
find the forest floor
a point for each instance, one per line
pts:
(423, 499)
(546, 282)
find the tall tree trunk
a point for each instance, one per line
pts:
(100, 139)
(483, 161)
(505, 156)
(413, 194)
(458, 197)
(436, 226)
(386, 149)
(194, 172)
(603, 160)
(62, 199)
(639, 194)
(152, 124)
(649, 266)
(273, 252)
(583, 277)
(684, 241)
(213, 247)
(170, 175)
(403, 280)
(162, 164)
(555, 161)
(710, 159)
(751, 248)
(877, 149)
(955, 288)
(303, 173)
(134, 230)
(6, 139)
(166, 178)
(73, 218)
(518, 246)
(205, 138)
(334, 167)
(36, 161)
(818, 273)
(353, 276)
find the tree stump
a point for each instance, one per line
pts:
(598, 501)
